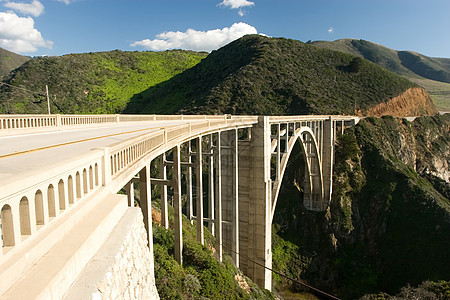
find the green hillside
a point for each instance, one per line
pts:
(430, 72)
(262, 75)
(101, 82)
(10, 61)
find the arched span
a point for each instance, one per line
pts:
(313, 190)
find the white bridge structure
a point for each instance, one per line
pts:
(61, 177)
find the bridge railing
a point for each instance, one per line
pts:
(11, 122)
(31, 204)
(123, 154)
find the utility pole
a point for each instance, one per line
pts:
(48, 101)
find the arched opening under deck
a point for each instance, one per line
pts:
(51, 201)
(78, 184)
(39, 208)
(70, 190)
(7, 226)
(85, 182)
(24, 216)
(289, 205)
(61, 195)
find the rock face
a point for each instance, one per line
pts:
(413, 102)
(131, 274)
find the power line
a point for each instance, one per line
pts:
(20, 87)
(283, 275)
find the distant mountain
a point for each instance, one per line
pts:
(101, 82)
(274, 76)
(10, 61)
(402, 62)
(429, 72)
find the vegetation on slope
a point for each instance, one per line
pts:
(201, 276)
(439, 91)
(273, 76)
(430, 72)
(10, 61)
(428, 290)
(95, 83)
(387, 225)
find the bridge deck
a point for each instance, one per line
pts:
(28, 154)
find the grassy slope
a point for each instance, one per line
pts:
(387, 225)
(101, 82)
(10, 61)
(431, 73)
(261, 75)
(439, 91)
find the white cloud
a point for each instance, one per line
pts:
(234, 4)
(67, 2)
(330, 30)
(197, 40)
(35, 8)
(18, 34)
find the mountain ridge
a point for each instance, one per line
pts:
(402, 62)
(262, 75)
(10, 61)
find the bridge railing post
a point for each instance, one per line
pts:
(58, 120)
(106, 167)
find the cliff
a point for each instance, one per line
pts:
(413, 102)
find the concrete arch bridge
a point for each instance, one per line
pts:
(60, 175)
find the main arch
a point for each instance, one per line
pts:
(262, 164)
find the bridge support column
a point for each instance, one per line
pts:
(129, 188)
(211, 185)
(164, 205)
(255, 204)
(146, 207)
(145, 199)
(327, 161)
(199, 191)
(189, 185)
(218, 198)
(230, 190)
(177, 205)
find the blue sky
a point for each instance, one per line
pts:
(57, 27)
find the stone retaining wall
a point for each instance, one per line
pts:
(123, 268)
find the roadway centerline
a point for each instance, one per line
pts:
(75, 142)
